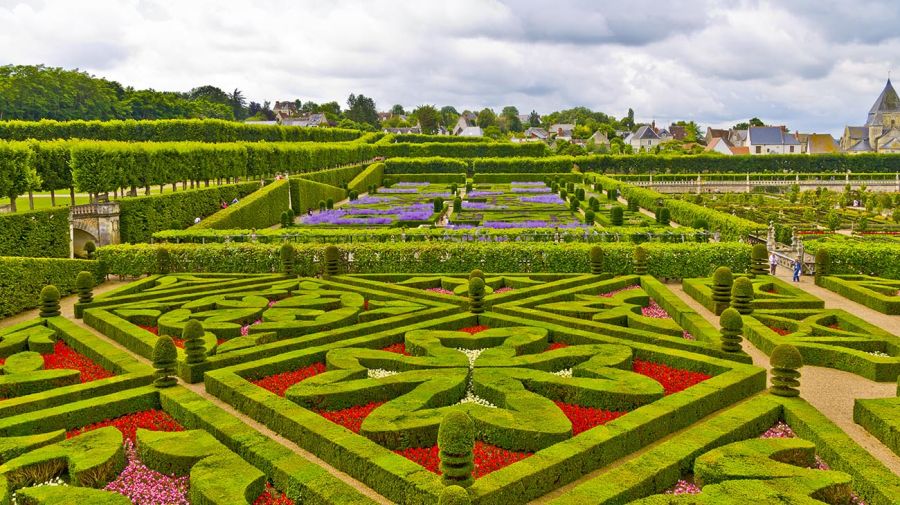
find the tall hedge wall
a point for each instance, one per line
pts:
(21, 279)
(170, 130)
(373, 174)
(306, 194)
(550, 164)
(417, 138)
(39, 233)
(879, 259)
(334, 176)
(461, 149)
(141, 217)
(433, 165)
(261, 209)
(681, 260)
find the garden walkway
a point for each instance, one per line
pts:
(831, 391)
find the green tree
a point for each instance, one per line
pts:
(449, 116)
(238, 104)
(361, 109)
(534, 119)
(486, 118)
(755, 121)
(511, 114)
(397, 110)
(429, 118)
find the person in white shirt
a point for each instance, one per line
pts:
(773, 263)
(196, 219)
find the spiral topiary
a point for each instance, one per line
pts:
(164, 361)
(457, 205)
(476, 295)
(616, 216)
(640, 260)
(454, 495)
(596, 260)
(456, 441)
(193, 342)
(742, 296)
(721, 287)
(84, 285)
(759, 260)
(786, 362)
(163, 261)
(476, 273)
(287, 258)
(49, 301)
(732, 324)
(332, 259)
(823, 262)
(589, 217)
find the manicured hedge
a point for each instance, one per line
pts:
(773, 163)
(169, 130)
(21, 279)
(306, 194)
(881, 418)
(141, 217)
(859, 288)
(373, 174)
(459, 178)
(261, 209)
(664, 260)
(418, 138)
(550, 164)
(334, 176)
(39, 233)
(876, 259)
(506, 178)
(461, 149)
(433, 165)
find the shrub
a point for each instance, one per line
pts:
(84, 285)
(786, 362)
(633, 205)
(579, 193)
(456, 442)
(563, 194)
(329, 203)
(589, 217)
(353, 195)
(555, 187)
(701, 224)
(468, 187)
(612, 194)
(287, 258)
(732, 324)
(454, 495)
(759, 259)
(165, 355)
(570, 187)
(476, 295)
(596, 260)
(332, 259)
(476, 273)
(742, 296)
(284, 220)
(438, 204)
(721, 288)
(260, 209)
(665, 216)
(823, 262)
(322, 205)
(37, 234)
(49, 301)
(21, 279)
(457, 204)
(193, 342)
(89, 248)
(573, 203)
(163, 261)
(640, 261)
(616, 216)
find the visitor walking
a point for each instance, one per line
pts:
(773, 263)
(798, 266)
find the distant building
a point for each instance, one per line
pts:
(466, 120)
(644, 138)
(818, 143)
(713, 133)
(537, 133)
(771, 140)
(562, 131)
(600, 139)
(284, 110)
(471, 131)
(677, 132)
(881, 133)
(720, 145)
(309, 120)
(409, 129)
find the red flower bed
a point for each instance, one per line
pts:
(64, 357)
(272, 496)
(350, 418)
(397, 348)
(179, 342)
(834, 326)
(280, 382)
(155, 420)
(488, 458)
(556, 345)
(475, 329)
(585, 418)
(673, 380)
(152, 329)
(780, 331)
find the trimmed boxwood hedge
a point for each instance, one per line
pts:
(306, 194)
(436, 165)
(373, 174)
(261, 209)
(38, 233)
(21, 279)
(862, 289)
(881, 418)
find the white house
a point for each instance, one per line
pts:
(644, 138)
(772, 140)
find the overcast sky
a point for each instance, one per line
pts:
(814, 65)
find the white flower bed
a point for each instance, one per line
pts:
(565, 372)
(472, 354)
(380, 373)
(55, 481)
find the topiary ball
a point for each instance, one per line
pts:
(742, 295)
(84, 280)
(786, 356)
(164, 358)
(454, 495)
(731, 320)
(723, 276)
(476, 273)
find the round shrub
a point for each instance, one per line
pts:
(49, 301)
(579, 193)
(742, 295)
(457, 205)
(287, 258)
(640, 260)
(352, 195)
(476, 273)
(563, 194)
(759, 260)
(732, 324)
(596, 260)
(89, 248)
(616, 216)
(322, 205)
(570, 187)
(84, 285)
(476, 295)
(193, 342)
(438, 204)
(456, 441)
(164, 361)
(823, 262)
(332, 259)
(786, 362)
(589, 217)
(454, 495)
(721, 287)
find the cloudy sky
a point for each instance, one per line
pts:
(814, 65)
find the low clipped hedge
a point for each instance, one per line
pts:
(333, 176)
(261, 209)
(38, 234)
(676, 261)
(21, 279)
(876, 259)
(459, 178)
(506, 178)
(785, 296)
(855, 288)
(141, 217)
(547, 165)
(881, 418)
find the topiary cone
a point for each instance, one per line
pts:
(332, 257)
(49, 301)
(476, 295)
(454, 495)
(164, 361)
(193, 342)
(732, 324)
(596, 260)
(721, 287)
(456, 441)
(742, 295)
(287, 258)
(786, 362)
(640, 260)
(759, 259)
(84, 285)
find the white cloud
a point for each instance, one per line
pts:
(811, 64)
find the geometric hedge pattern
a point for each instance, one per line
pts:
(562, 375)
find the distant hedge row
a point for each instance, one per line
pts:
(21, 279)
(39, 233)
(170, 130)
(434, 165)
(769, 163)
(416, 138)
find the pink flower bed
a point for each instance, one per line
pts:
(502, 290)
(441, 291)
(617, 291)
(684, 486)
(655, 311)
(144, 486)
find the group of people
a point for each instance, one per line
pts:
(222, 205)
(796, 266)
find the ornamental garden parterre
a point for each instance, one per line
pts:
(466, 322)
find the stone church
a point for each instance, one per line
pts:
(881, 133)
